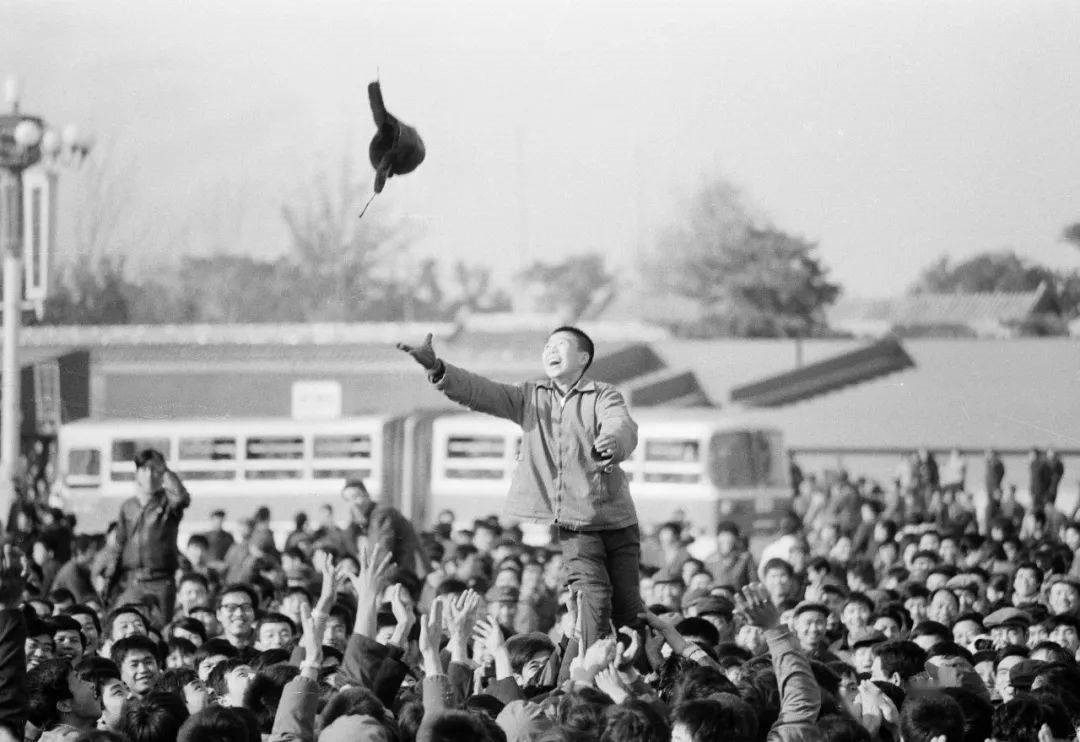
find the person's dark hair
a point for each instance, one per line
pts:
(635, 721)
(220, 724)
(899, 656)
(725, 717)
(520, 648)
(931, 628)
(978, 713)
(841, 728)
(97, 670)
(215, 681)
(1057, 653)
(778, 563)
(271, 618)
(699, 681)
(352, 702)
(67, 623)
(215, 646)
(452, 726)
(1019, 720)
(860, 598)
(264, 693)
(1033, 567)
(84, 610)
(699, 628)
(120, 610)
(1056, 715)
(270, 658)
(61, 595)
(950, 649)
(146, 456)
(584, 342)
(100, 735)
(195, 577)
(134, 643)
(485, 704)
(191, 625)
(173, 681)
(156, 717)
(47, 685)
(197, 539)
(1011, 650)
(355, 484)
(929, 715)
(864, 571)
(451, 586)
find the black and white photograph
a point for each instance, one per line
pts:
(592, 371)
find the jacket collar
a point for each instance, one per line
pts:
(583, 385)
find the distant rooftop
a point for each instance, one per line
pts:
(994, 314)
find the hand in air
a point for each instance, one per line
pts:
(423, 354)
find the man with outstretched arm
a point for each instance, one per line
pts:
(575, 431)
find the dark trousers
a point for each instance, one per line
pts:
(605, 567)
(161, 587)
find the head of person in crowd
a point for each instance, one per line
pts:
(236, 613)
(58, 694)
(137, 658)
(68, 639)
(778, 576)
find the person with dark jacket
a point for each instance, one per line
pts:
(147, 556)
(1039, 479)
(384, 525)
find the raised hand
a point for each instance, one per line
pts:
(755, 605)
(313, 625)
(666, 629)
(328, 589)
(403, 614)
(489, 634)
(423, 354)
(610, 682)
(431, 628)
(600, 655)
(374, 564)
(627, 656)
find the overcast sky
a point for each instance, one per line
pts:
(889, 132)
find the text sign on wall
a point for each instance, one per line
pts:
(316, 400)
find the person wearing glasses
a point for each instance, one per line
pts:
(236, 614)
(146, 552)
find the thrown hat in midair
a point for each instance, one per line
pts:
(396, 148)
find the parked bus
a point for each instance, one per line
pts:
(707, 463)
(235, 465)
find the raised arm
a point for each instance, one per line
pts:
(175, 491)
(800, 696)
(466, 388)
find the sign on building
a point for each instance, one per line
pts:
(316, 400)
(39, 230)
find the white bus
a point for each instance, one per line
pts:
(235, 465)
(710, 464)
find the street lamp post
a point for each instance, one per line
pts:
(24, 140)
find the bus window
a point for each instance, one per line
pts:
(475, 447)
(207, 449)
(731, 460)
(192, 475)
(745, 459)
(272, 474)
(341, 474)
(489, 474)
(84, 462)
(124, 449)
(342, 447)
(673, 477)
(275, 447)
(672, 449)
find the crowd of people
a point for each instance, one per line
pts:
(862, 620)
(889, 613)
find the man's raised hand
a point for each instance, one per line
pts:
(755, 605)
(423, 354)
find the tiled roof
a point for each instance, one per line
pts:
(929, 310)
